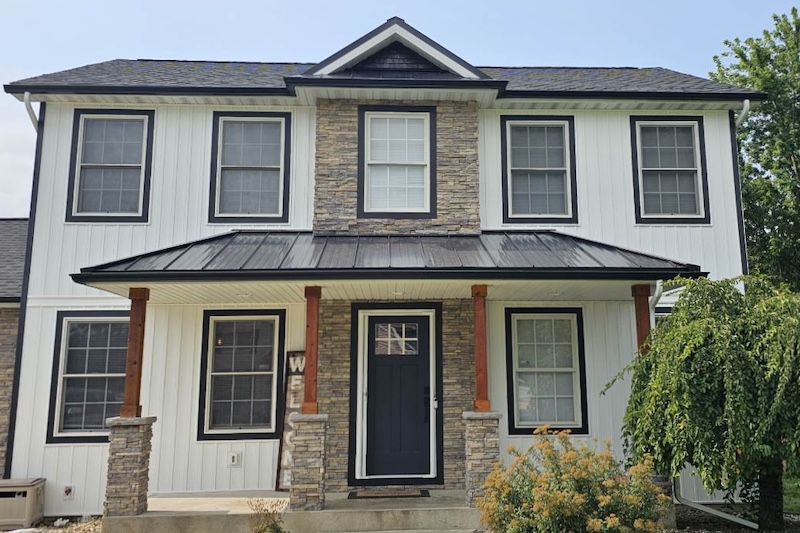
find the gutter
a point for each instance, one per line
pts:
(676, 491)
(744, 112)
(29, 108)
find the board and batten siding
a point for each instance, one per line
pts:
(179, 195)
(604, 169)
(170, 391)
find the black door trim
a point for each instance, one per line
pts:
(436, 307)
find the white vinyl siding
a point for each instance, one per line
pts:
(250, 167)
(546, 370)
(241, 386)
(538, 181)
(92, 374)
(110, 167)
(397, 163)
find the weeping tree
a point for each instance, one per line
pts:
(718, 387)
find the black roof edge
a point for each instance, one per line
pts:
(293, 81)
(147, 90)
(636, 95)
(10, 299)
(632, 274)
(403, 24)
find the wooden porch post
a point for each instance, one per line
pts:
(309, 406)
(481, 375)
(641, 294)
(131, 407)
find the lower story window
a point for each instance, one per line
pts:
(545, 360)
(89, 374)
(242, 367)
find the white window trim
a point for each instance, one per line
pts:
(368, 116)
(361, 402)
(576, 369)
(567, 169)
(698, 168)
(281, 168)
(213, 320)
(79, 165)
(60, 390)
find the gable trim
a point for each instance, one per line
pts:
(395, 29)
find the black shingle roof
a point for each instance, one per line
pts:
(122, 76)
(13, 239)
(300, 255)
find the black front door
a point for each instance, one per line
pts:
(398, 396)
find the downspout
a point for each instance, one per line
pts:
(743, 113)
(676, 484)
(29, 108)
(676, 491)
(654, 299)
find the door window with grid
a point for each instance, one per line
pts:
(242, 374)
(92, 373)
(545, 370)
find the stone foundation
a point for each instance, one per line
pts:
(9, 321)
(307, 491)
(669, 520)
(128, 465)
(482, 446)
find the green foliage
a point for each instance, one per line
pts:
(769, 142)
(719, 385)
(555, 486)
(266, 516)
(791, 495)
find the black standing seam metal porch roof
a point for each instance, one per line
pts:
(264, 255)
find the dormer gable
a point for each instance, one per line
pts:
(395, 49)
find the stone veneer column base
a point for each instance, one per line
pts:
(307, 491)
(128, 465)
(482, 448)
(669, 520)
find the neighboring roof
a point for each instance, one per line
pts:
(263, 255)
(122, 76)
(13, 240)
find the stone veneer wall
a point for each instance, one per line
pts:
(9, 321)
(333, 387)
(336, 181)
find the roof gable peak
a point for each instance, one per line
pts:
(414, 50)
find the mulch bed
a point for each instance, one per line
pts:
(696, 521)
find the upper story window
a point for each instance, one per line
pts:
(539, 178)
(670, 183)
(397, 162)
(88, 378)
(545, 365)
(242, 371)
(109, 179)
(250, 167)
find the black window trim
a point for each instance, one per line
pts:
(213, 201)
(362, 163)
(697, 122)
(208, 315)
(572, 179)
(513, 429)
(83, 437)
(77, 121)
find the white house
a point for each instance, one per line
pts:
(434, 238)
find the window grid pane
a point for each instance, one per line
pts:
(538, 170)
(396, 339)
(669, 170)
(110, 170)
(93, 379)
(242, 375)
(545, 371)
(250, 167)
(397, 166)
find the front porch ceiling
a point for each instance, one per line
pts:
(261, 292)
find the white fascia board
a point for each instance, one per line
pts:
(389, 35)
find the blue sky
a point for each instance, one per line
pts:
(41, 36)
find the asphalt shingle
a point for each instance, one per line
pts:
(13, 239)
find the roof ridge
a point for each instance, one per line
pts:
(565, 68)
(217, 61)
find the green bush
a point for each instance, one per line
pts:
(557, 487)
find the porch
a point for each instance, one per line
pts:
(218, 512)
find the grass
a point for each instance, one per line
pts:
(791, 495)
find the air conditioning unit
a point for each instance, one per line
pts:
(21, 503)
